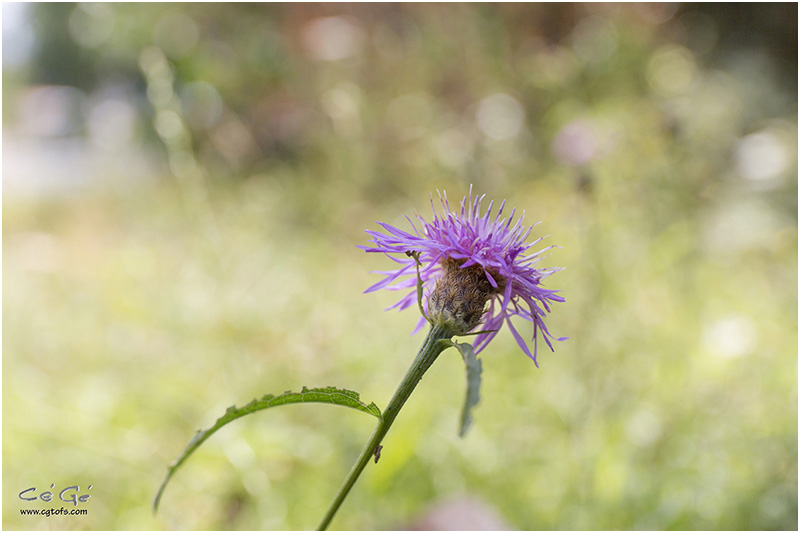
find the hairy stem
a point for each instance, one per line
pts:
(430, 350)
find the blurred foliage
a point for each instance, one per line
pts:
(657, 143)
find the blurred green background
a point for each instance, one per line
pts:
(184, 186)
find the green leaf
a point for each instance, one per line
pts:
(474, 369)
(330, 395)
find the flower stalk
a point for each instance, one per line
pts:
(475, 273)
(435, 343)
(471, 270)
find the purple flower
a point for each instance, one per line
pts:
(473, 270)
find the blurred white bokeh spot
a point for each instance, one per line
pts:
(500, 116)
(91, 24)
(112, 123)
(671, 71)
(761, 156)
(168, 124)
(643, 428)
(730, 337)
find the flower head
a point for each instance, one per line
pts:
(473, 269)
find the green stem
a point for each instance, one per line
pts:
(430, 350)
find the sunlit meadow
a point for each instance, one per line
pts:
(184, 188)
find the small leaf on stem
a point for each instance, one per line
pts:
(474, 369)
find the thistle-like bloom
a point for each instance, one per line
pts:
(473, 270)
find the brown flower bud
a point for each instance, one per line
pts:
(459, 298)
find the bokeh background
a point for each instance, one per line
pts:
(184, 187)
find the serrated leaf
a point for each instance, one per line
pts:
(331, 395)
(474, 370)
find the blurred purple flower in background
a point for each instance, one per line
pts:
(485, 255)
(577, 143)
